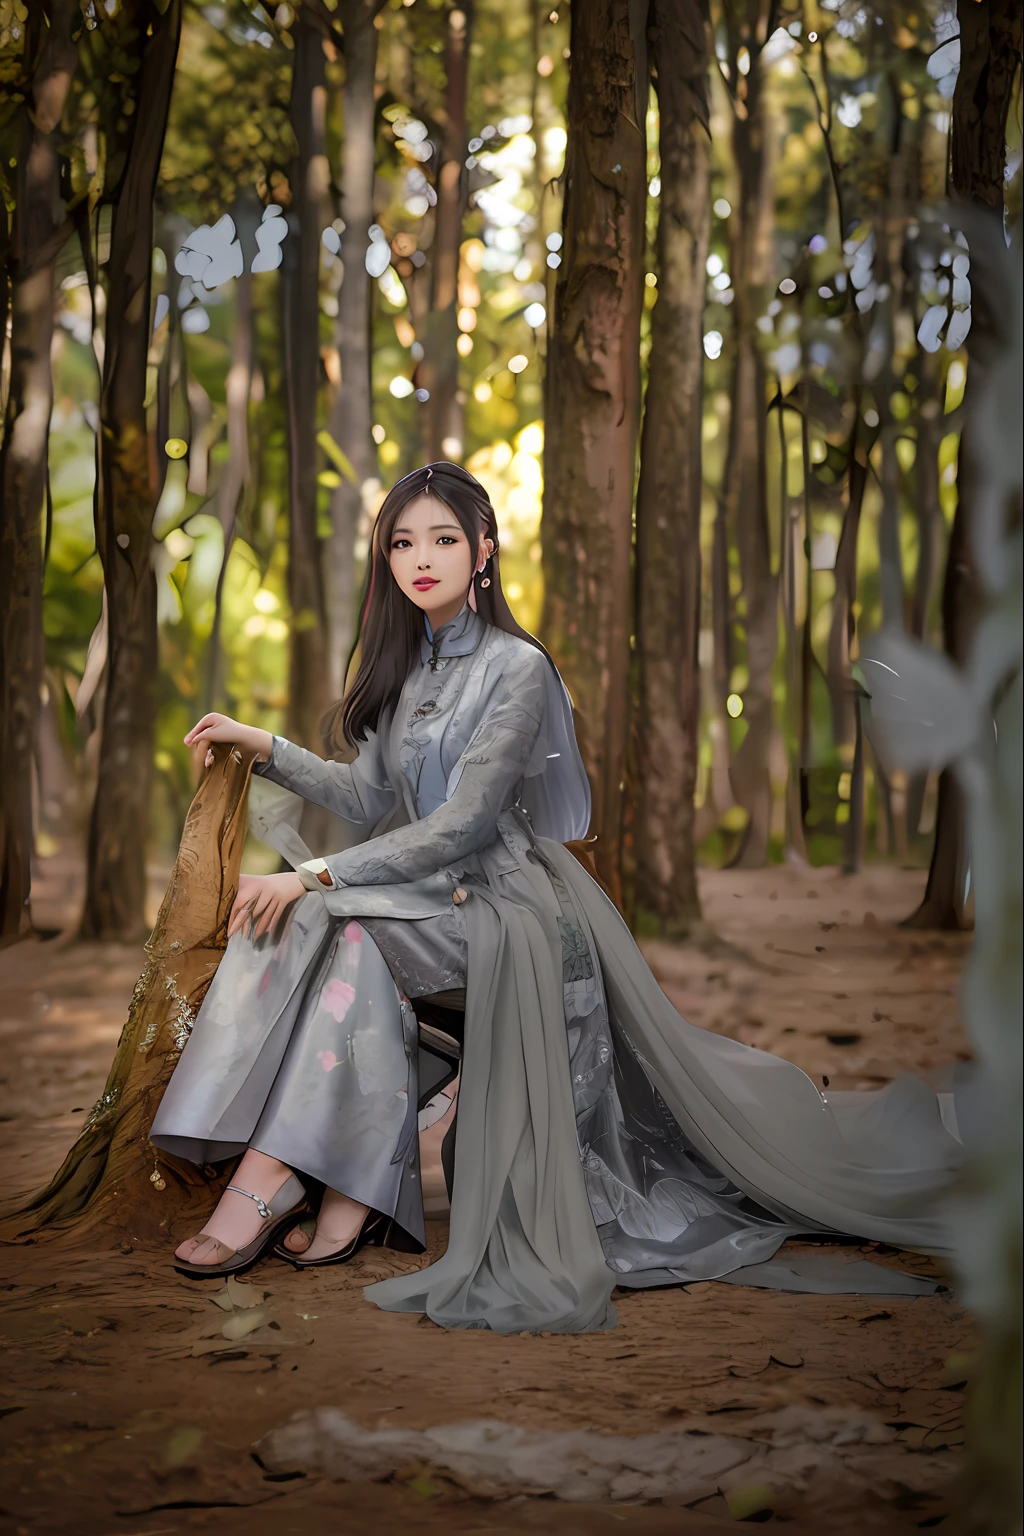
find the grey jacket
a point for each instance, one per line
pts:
(485, 709)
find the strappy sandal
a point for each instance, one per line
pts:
(374, 1230)
(288, 1201)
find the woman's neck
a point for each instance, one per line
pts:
(442, 616)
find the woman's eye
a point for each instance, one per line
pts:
(447, 538)
(401, 544)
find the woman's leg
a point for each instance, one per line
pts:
(338, 1222)
(236, 1220)
(336, 1099)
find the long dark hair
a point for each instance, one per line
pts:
(390, 625)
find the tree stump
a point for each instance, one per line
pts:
(112, 1175)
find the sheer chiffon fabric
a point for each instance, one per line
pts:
(601, 1139)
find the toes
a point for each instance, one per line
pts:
(187, 1249)
(208, 1250)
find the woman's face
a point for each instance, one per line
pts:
(432, 560)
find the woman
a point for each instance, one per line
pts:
(601, 1139)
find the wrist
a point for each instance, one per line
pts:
(261, 742)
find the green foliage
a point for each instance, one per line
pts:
(837, 106)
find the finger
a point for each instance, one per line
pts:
(269, 918)
(239, 921)
(193, 734)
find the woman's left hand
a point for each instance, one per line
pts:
(261, 902)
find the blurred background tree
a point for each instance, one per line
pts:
(682, 278)
(681, 281)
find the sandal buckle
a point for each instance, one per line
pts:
(261, 1205)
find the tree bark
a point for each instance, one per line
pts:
(235, 476)
(990, 53)
(110, 1173)
(593, 398)
(124, 501)
(440, 371)
(846, 718)
(308, 679)
(795, 846)
(351, 415)
(669, 493)
(40, 228)
(745, 492)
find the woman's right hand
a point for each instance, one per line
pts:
(213, 728)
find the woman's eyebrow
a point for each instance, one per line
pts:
(434, 528)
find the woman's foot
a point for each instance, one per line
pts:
(340, 1220)
(236, 1220)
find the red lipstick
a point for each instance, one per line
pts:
(424, 583)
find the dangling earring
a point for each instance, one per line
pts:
(486, 581)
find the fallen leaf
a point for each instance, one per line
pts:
(243, 1295)
(240, 1324)
(182, 1445)
(750, 1500)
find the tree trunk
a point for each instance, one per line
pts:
(111, 1172)
(593, 398)
(990, 55)
(308, 681)
(846, 716)
(945, 903)
(930, 531)
(115, 898)
(236, 474)
(745, 492)
(351, 414)
(440, 372)
(990, 52)
(669, 491)
(795, 846)
(39, 230)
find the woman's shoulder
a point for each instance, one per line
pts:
(513, 655)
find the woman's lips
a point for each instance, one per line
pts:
(424, 583)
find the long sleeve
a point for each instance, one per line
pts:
(357, 791)
(489, 773)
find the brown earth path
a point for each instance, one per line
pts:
(125, 1409)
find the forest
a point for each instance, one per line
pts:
(720, 301)
(685, 290)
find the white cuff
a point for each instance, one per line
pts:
(315, 876)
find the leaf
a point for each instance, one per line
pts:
(269, 237)
(932, 323)
(751, 1499)
(959, 325)
(239, 1324)
(243, 1295)
(945, 60)
(378, 258)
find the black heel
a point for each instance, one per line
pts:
(366, 1234)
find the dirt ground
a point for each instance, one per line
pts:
(126, 1409)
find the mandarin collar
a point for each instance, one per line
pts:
(459, 637)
